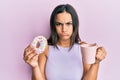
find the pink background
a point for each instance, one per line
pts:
(22, 20)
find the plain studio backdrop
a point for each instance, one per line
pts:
(22, 20)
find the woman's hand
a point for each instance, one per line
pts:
(30, 56)
(100, 54)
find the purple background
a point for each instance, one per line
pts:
(22, 20)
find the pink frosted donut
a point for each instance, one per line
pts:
(39, 43)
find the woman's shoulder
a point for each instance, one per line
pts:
(49, 48)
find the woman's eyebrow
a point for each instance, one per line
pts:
(69, 22)
(57, 22)
(62, 23)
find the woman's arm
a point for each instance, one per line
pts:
(42, 63)
(36, 61)
(36, 74)
(31, 57)
(91, 70)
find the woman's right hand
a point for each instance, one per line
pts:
(30, 56)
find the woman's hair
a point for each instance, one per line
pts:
(75, 22)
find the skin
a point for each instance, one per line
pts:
(64, 30)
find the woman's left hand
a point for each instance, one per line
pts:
(100, 54)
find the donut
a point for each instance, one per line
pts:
(39, 43)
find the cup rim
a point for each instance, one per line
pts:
(89, 45)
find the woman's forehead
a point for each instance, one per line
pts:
(63, 17)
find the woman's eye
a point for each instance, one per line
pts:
(58, 24)
(69, 24)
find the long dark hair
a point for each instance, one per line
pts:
(54, 36)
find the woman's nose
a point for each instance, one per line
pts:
(64, 29)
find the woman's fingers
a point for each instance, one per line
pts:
(101, 54)
(29, 56)
(29, 52)
(33, 61)
(35, 57)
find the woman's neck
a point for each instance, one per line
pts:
(64, 43)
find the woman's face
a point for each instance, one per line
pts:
(64, 26)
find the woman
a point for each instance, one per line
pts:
(62, 58)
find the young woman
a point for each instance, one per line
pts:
(62, 59)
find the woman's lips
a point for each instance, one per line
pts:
(64, 35)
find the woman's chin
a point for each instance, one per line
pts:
(65, 39)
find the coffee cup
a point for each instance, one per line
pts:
(89, 52)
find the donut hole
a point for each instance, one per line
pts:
(38, 44)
